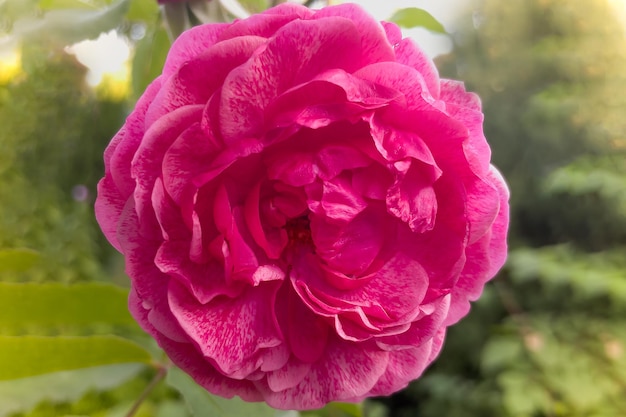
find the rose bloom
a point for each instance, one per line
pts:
(304, 206)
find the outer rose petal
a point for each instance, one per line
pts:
(198, 79)
(216, 329)
(374, 44)
(485, 257)
(403, 367)
(297, 52)
(264, 24)
(151, 289)
(303, 207)
(117, 185)
(409, 54)
(190, 44)
(345, 372)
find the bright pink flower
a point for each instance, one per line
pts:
(304, 206)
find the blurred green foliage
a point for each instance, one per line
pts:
(414, 17)
(54, 129)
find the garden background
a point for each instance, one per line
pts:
(548, 337)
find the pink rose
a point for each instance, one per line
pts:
(304, 207)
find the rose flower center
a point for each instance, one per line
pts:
(299, 232)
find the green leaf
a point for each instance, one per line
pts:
(237, 9)
(254, 6)
(176, 18)
(203, 404)
(15, 9)
(207, 12)
(373, 408)
(501, 352)
(559, 266)
(65, 4)
(24, 356)
(172, 409)
(144, 10)
(337, 409)
(413, 17)
(571, 358)
(17, 260)
(149, 58)
(522, 395)
(72, 25)
(62, 305)
(348, 409)
(23, 394)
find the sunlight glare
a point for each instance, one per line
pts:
(108, 54)
(10, 65)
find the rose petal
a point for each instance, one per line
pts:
(482, 207)
(204, 281)
(393, 32)
(403, 366)
(454, 93)
(334, 159)
(147, 161)
(272, 240)
(229, 330)
(242, 259)
(396, 290)
(292, 167)
(374, 44)
(298, 51)
(484, 258)
(120, 152)
(306, 332)
(401, 78)
(465, 107)
(412, 198)
(372, 182)
(411, 55)
(288, 376)
(190, 44)
(346, 371)
(201, 75)
(108, 209)
(262, 24)
(332, 96)
(148, 283)
(339, 202)
(187, 358)
(351, 248)
(189, 156)
(168, 214)
(421, 330)
(441, 251)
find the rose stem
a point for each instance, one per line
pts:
(158, 377)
